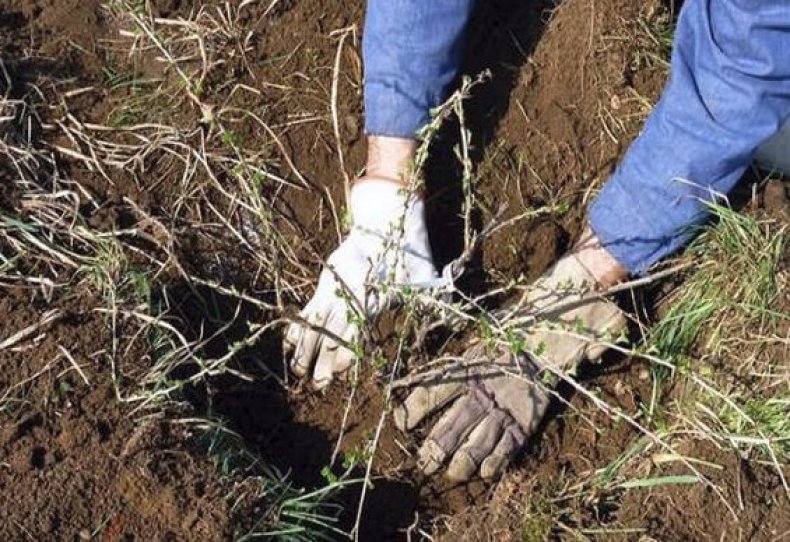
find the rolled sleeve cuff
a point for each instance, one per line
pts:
(727, 92)
(636, 237)
(390, 112)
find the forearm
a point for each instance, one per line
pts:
(412, 54)
(729, 90)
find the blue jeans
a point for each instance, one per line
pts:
(729, 90)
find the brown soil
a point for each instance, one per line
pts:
(74, 461)
(567, 95)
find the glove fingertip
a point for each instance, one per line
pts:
(400, 418)
(322, 374)
(461, 468)
(320, 384)
(428, 466)
(344, 359)
(430, 457)
(493, 467)
(291, 337)
(511, 442)
(297, 368)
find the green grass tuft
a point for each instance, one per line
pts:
(732, 288)
(724, 328)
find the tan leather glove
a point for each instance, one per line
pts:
(496, 400)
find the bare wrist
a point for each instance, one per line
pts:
(390, 158)
(606, 270)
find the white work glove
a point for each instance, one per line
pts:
(387, 246)
(496, 399)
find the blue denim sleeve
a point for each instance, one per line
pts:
(412, 53)
(729, 89)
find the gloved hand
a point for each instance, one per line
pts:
(497, 401)
(387, 246)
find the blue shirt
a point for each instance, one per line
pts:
(728, 90)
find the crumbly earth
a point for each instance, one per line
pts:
(74, 460)
(569, 89)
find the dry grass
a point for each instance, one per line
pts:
(229, 192)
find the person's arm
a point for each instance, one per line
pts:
(412, 53)
(729, 90)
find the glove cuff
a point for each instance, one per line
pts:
(389, 220)
(377, 204)
(386, 210)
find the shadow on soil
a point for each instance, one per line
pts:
(264, 413)
(267, 416)
(502, 36)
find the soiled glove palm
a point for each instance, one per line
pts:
(497, 401)
(387, 245)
